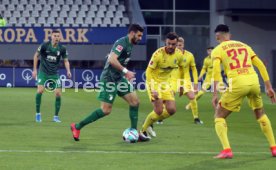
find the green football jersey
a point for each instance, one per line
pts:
(50, 57)
(122, 47)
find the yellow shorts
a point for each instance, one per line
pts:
(165, 91)
(233, 98)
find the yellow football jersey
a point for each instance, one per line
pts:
(189, 61)
(207, 67)
(236, 59)
(163, 64)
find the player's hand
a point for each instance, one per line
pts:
(130, 75)
(154, 94)
(215, 101)
(69, 75)
(270, 93)
(181, 91)
(34, 74)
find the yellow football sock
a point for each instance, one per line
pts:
(221, 129)
(199, 94)
(267, 129)
(194, 108)
(164, 115)
(151, 118)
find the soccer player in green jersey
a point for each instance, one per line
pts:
(114, 81)
(50, 55)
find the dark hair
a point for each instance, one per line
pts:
(211, 47)
(55, 31)
(172, 36)
(135, 28)
(222, 28)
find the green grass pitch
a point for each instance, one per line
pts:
(180, 144)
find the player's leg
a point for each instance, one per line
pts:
(133, 101)
(256, 103)
(153, 116)
(92, 117)
(57, 105)
(40, 90)
(41, 79)
(107, 97)
(221, 130)
(194, 108)
(230, 102)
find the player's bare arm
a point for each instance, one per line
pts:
(67, 66)
(36, 56)
(113, 60)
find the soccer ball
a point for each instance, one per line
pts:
(130, 135)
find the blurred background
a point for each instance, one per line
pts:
(90, 27)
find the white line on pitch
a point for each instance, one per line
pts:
(125, 152)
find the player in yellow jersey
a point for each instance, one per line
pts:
(189, 89)
(239, 59)
(208, 69)
(163, 61)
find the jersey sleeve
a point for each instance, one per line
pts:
(41, 49)
(154, 60)
(216, 54)
(251, 53)
(204, 68)
(64, 53)
(118, 48)
(192, 64)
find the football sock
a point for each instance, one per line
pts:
(38, 102)
(267, 130)
(133, 115)
(194, 108)
(199, 94)
(151, 118)
(57, 105)
(164, 115)
(97, 114)
(221, 129)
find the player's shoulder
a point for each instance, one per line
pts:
(159, 51)
(188, 54)
(121, 41)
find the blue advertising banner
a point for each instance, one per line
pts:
(6, 77)
(38, 35)
(88, 78)
(23, 77)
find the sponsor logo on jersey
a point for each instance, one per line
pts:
(51, 58)
(119, 48)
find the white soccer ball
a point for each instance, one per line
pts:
(131, 135)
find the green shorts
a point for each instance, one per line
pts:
(48, 81)
(109, 90)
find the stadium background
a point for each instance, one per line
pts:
(90, 27)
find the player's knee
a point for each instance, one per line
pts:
(135, 103)
(58, 94)
(171, 111)
(40, 91)
(106, 110)
(158, 111)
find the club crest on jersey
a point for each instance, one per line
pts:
(119, 48)
(174, 61)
